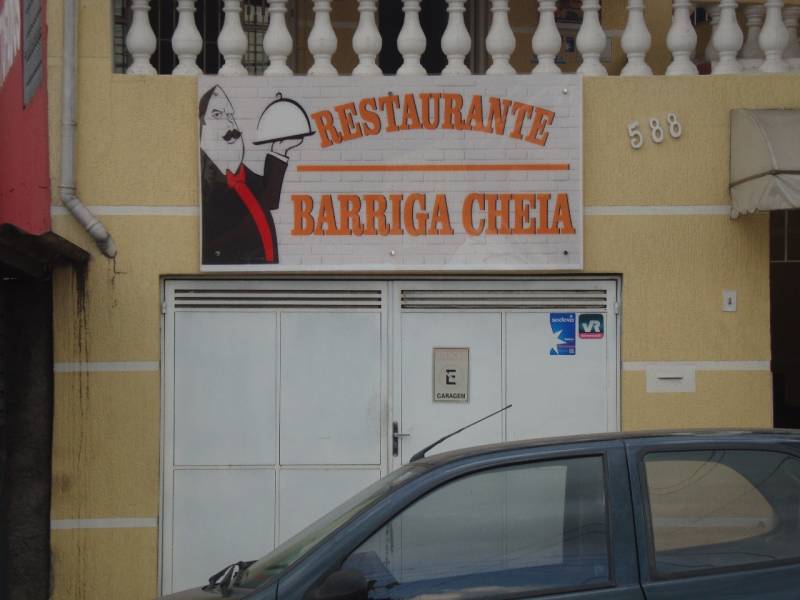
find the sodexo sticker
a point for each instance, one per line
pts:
(563, 328)
(590, 326)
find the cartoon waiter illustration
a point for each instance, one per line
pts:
(237, 202)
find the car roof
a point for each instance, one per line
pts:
(697, 434)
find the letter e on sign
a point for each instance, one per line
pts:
(451, 375)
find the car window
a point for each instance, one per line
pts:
(529, 527)
(722, 508)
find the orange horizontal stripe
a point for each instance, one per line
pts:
(434, 167)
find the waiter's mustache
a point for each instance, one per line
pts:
(232, 134)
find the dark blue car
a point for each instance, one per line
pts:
(663, 515)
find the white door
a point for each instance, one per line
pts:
(546, 347)
(281, 397)
(275, 398)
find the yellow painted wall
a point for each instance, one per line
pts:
(137, 145)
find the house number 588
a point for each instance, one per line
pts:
(637, 138)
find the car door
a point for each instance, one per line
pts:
(717, 518)
(526, 524)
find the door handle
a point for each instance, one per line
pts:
(396, 435)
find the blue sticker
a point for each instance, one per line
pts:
(590, 327)
(563, 327)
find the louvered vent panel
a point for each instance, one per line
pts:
(509, 299)
(277, 298)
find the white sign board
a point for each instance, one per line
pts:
(391, 173)
(451, 375)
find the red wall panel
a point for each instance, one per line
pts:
(24, 161)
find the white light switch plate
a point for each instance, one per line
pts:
(729, 300)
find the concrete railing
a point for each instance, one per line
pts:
(769, 44)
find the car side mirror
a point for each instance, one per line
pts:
(346, 584)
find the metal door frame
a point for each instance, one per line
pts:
(168, 346)
(612, 284)
(391, 362)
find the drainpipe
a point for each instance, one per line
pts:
(67, 187)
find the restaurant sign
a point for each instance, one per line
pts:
(388, 173)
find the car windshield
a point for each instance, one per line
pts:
(293, 549)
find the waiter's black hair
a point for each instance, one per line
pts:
(203, 104)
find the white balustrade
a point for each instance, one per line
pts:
(636, 40)
(751, 57)
(232, 40)
(591, 40)
(322, 40)
(711, 53)
(411, 40)
(500, 41)
(773, 39)
(367, 39)
(546, 39)
(186, 40)
(727, 40)
(791, 17)
(277, 40)
(681, 39)
(456, 42)
(140, 41)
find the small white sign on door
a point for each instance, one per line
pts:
(451, 375)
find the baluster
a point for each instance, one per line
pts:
(411, 40)
(791, 16)
(727, 39)
(681, 39)
(277, 40)
(456, 42)
(773, 39)
(500, 41)
(186, 40)
(711, 53)
(636, 40)
(232, 40)
(140, 41)
(591, 40)
(751, 55)
(322, 40)
(546, 39)
(367, 39)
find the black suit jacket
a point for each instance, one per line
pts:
(230, 236)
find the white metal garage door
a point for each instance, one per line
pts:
(280, 396)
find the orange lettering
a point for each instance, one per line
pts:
(453, 103)
(410, 116)
(475, 115)
(523, 203)
(541, 119)
(376, 215)
(350, 130)
(544, 208)
(349, 215)
(523, 111)
(396, 200)
(440, 219)
(369, 116)
(303, 220)
(562, 220)
(498, 112)
(388, 104)
(328, 134)
(466, 213)
(326, 219)
(495, 213)
(414, 223)
(427, 122)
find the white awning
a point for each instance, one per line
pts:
(765, 160)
